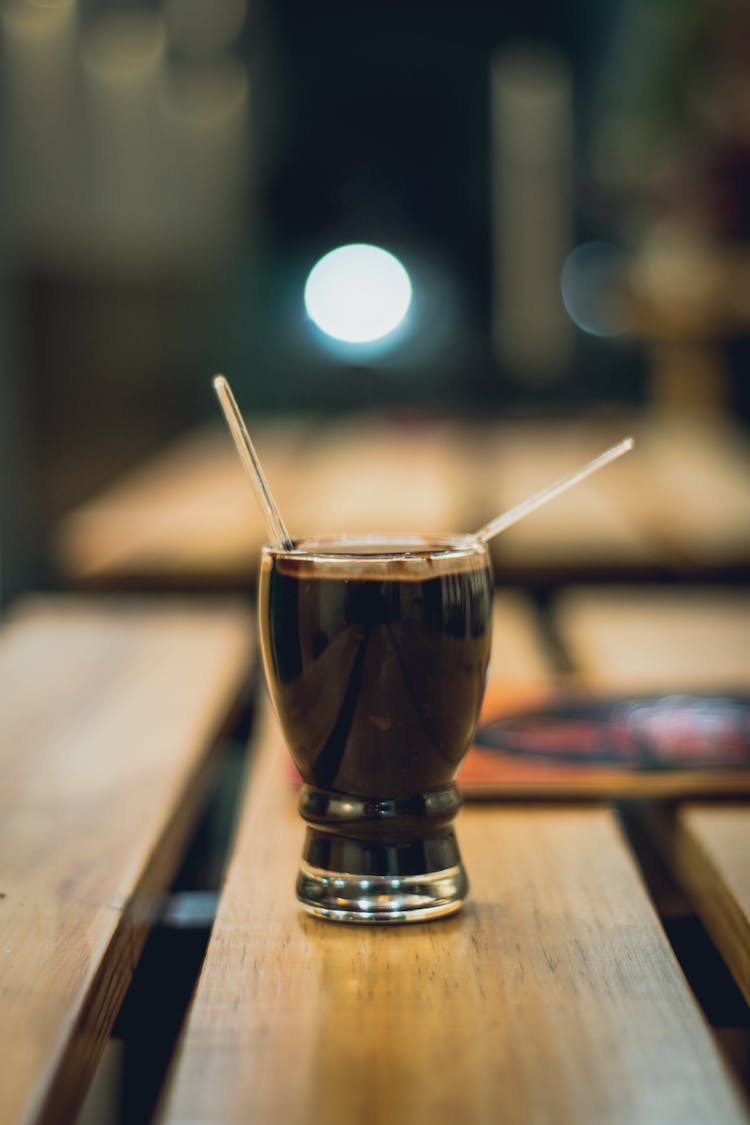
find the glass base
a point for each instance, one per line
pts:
(344, 897)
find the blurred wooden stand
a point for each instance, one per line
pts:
(684, 300)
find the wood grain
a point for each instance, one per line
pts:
(553, 997)
(109, 712)
(708, 848)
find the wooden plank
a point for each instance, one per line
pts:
(690, 489)
(519, 656)
(554, 995)
(109, 712)
(681, 499)
(708, 849)
(369, 474)
(190, 516)
(656, 638)
(187, 515)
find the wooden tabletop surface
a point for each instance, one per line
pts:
(681, 500)
(657, 638)
(558, 994)
(110, 710)
(554, 996)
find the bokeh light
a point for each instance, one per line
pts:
(589, 282)
(358, 293)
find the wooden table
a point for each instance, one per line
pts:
(645, 638)
(560, 993)
(554, 996)
(680, 503)
(111, 710)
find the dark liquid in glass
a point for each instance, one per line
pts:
(378, 683)
(377, 674)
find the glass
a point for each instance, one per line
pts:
(375, 652)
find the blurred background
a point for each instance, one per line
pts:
(566, 186)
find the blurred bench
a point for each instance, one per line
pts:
(111, 710)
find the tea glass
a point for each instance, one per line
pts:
(375, 652)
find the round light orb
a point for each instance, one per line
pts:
(590, 278)
(358, 293)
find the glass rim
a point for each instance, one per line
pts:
(403, 546)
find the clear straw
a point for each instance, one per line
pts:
(526, 507)
(279, 534)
